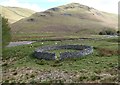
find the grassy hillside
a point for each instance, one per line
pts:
(15, 13)
(65, 20)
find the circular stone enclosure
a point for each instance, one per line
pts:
(43, 52)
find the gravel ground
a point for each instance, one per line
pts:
(13, 44)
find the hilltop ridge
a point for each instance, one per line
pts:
(70, 18)
(14, 14)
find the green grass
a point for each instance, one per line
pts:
(94, 65)
(51, 36)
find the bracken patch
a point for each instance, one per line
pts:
(108, 52)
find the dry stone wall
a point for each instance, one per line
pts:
(42, 52)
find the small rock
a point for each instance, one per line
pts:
(4, 64)
(15, 73)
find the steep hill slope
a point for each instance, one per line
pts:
(15, 13)
(70, 18)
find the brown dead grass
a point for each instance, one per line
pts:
(108, 52)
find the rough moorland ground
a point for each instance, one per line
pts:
(19, 64)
